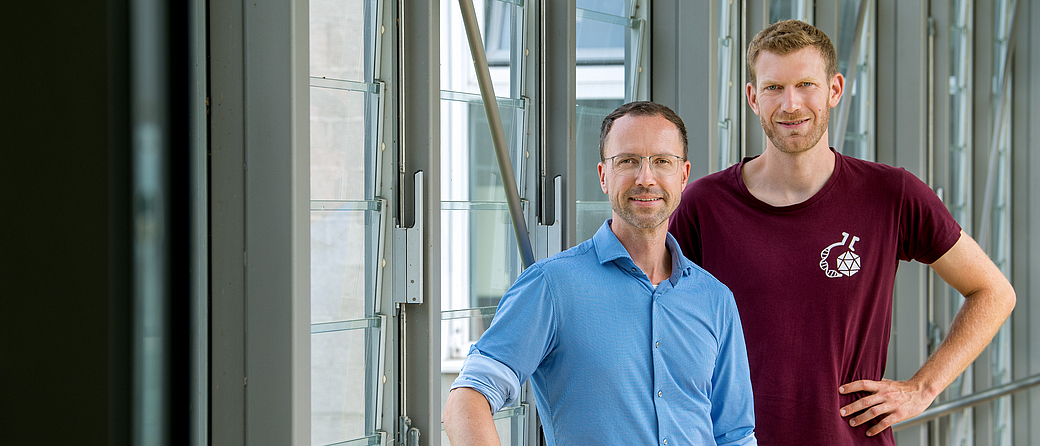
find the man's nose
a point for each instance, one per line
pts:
(792, 100)
(645, 175)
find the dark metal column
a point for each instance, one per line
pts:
(558, 157)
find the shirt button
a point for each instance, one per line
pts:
(660, 393)
(657, 344)
(633, 270)
(665, 441)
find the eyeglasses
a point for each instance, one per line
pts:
(630, 165)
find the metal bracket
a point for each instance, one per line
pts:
(408, 254)
(406, 434)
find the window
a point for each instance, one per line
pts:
(959, 197)
(856, 113)
(479, 254)
(998, 196)
(347, 220)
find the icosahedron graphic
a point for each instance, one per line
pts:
(848, 263)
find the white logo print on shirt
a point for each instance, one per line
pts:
(848, 261)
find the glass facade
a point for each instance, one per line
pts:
(478, 252)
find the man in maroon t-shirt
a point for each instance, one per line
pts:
(809, 240)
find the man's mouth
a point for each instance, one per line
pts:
(793, 123)
(646, 200)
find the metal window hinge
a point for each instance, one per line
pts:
(408, 254)
(406, 434)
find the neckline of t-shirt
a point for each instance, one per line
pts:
(838, 162)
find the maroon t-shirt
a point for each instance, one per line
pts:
(813, 283)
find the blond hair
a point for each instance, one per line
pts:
(787, 36)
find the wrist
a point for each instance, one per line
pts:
(929, 388)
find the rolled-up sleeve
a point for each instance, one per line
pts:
(519, 338)
(494, 380)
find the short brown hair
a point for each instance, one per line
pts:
(641, 108)
(787, 36)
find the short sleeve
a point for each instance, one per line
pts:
(927, 230)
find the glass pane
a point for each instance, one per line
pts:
(469, 163)
(343, 165)
(460, 329)
(500, 23)
(589, 194)
(345, 243)
(612, 7)
(729, 85)
(600, 33)
(343, 380)
(602, 68)
(858, 141)
(591, 215)
(337, 49)
(345, 353)
(346, 222)
(479, 258)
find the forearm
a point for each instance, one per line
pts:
(988, 300)
(972, 329)
(467, 419)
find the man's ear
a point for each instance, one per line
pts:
(685, 173)
(837, 88)
(602, 177)
(752, 97)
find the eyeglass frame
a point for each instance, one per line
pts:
(636, 171)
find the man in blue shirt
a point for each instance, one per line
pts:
(624, 339)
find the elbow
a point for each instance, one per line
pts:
(1009, 298)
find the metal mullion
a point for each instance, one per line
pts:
(200, 427)
(417, 241)
(558, 120)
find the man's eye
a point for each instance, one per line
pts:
(807, 84)
(771, 87)
(663, 161)
(626, 161)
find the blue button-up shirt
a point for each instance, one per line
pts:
(614, 360)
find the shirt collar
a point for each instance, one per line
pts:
(609, 248)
